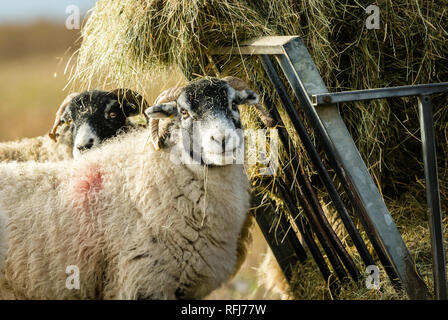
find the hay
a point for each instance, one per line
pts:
(125, 43)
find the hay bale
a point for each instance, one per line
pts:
(124, 43)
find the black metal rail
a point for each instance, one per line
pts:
(433, 195)
(292, 209)
(380, 93)
(317, 162)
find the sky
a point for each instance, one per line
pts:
(24, 11)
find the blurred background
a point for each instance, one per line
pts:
(35, 46)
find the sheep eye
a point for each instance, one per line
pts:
(234, 106)
(185, 114)
(112, 115)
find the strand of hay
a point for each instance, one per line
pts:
(126, 44)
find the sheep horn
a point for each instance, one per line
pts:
(57, 121)
(239, 84)
(167, 95)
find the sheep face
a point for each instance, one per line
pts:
(94, 116)
(207, 120)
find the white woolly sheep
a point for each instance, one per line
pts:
(83, 121)
(137, 222)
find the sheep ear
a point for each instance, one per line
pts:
(162, 111)
(247, 96)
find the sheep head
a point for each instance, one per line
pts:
(95, 116)
(172, 94)
(206, 112)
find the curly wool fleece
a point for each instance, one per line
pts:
(136, 225)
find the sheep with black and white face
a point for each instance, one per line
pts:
(83, 121)
(95, 116)
(205, 134)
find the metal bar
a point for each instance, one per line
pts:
(433, 196)
(338, 144)
(288, 145)
(380, 93)
(305, 230)
(287, 142)
(316, 227)
(291, 237)
(292, 209)
(262, 45)
(306, 140)
(284, 252)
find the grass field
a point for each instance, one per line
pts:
(32, 62)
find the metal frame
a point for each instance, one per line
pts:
(300, 71)
(423, 92)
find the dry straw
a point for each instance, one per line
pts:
(126, 43)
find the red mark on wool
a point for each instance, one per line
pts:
(87, 185)
(91, 182)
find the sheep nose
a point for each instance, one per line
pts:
(86, 146)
